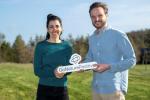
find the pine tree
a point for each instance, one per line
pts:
(6, 52)
(19, 50)
(2, 38)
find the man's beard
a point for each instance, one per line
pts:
(102, 24)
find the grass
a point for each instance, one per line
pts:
(18, 82)
(139, 83)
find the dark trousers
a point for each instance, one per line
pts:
(52, 93)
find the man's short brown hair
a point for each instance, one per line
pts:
(99, 4)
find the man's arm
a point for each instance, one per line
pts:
(126, 50)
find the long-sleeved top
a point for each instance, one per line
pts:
(110, 46)
(47, 57)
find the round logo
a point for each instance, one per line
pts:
(75, 59)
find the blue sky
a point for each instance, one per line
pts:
(28, 17)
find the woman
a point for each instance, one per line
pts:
(49, 54)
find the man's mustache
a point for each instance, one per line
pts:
(97, 21)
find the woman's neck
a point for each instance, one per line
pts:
(54, 40)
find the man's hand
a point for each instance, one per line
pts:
(58, 74)
(101, 67)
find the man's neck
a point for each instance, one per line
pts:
(98, 30)
(102, 28)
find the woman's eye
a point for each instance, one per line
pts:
(56, 26)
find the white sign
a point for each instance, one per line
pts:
(75, 59)
(76, 67)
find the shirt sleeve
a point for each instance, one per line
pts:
(126, 50)
(40, 70)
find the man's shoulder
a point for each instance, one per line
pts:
(119, 34)
(91, 37)
(116, 31)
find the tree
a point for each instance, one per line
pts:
(2, 38)
(80, 44)
(6, 52)
(147, 38)
(19, 50)
(39, 38)
(30, 49)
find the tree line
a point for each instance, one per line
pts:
(20, 52)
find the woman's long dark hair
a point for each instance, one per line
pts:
(51, 17)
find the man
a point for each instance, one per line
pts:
(113, 52)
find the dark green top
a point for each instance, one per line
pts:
(47, 57)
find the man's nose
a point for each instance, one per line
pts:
(96, 19)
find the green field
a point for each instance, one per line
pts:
(17, 82)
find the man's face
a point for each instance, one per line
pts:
(98, 17)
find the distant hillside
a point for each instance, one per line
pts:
(139, 39)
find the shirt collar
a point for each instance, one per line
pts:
(98, 31)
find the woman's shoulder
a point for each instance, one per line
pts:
(67, 43)
(41, 43)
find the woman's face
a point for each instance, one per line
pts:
(54, 29)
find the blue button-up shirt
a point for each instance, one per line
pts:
(110, 46)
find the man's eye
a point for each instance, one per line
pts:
(57, 26)
(50, 27)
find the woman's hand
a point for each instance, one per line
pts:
(58, 74)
